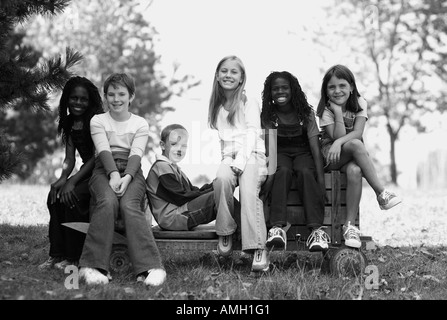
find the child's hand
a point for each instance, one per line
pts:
(115, 181)
(124, 183)
(334, 107)
(67, 194)
(333, 155)
(55, 189)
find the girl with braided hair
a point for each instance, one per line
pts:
(285, 108)
(69, 197)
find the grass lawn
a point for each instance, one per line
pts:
(411, 258)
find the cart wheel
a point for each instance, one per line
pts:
(119, 259)
(347, 262)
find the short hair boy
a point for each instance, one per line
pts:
(175, 203)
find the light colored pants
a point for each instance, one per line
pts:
(253, 227)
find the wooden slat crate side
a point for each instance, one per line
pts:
(328, 181)
(294, 199)
(207, 231)
(305, 232)
(186, 244)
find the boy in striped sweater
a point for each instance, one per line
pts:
(117, 185)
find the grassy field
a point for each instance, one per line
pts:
(411, 257)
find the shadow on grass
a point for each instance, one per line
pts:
(404, 274)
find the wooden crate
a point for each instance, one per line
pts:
(204, 237)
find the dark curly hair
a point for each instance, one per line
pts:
(298, 99)
(95, 106)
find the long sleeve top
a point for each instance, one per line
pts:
(244, 137)
(119, 140)
(169, 189)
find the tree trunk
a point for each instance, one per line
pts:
(393, 167)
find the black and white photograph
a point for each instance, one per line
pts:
(226, 157)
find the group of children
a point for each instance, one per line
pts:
(111, 182)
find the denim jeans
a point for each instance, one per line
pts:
(296, 163)
(65, 242)
(252, 221)
(143, 251)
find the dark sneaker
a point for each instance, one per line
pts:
(318, 240)
(50, 263)
(277, 239)
(61, 265)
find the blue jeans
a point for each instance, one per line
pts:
(252, 225)
(143, 251)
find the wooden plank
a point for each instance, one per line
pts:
(201, 232)
(305, 232)
(295, 214)
(293, 197)
(327, 181)
(186, 244)
(205, 238)
(335, 210)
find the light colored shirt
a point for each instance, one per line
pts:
(244, 137)
(328, 116)
(119, 140)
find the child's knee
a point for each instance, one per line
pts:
(283, 171)
(354, 172)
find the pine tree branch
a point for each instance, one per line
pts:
(31, 87)
(9, 159)
(22, 10)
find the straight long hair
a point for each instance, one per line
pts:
(218, 97)
(341, 72)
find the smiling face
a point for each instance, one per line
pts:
(118, 99)
(78, 101)
(339, 90)
(229, 75)
(174, 148)
(281, 91)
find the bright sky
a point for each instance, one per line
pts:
(267, 35)
(198, 33)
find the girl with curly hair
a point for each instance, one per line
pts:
(69, 197)
(285, 108)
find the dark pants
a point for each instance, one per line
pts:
(201, 210)
(296, 163)
(67, 243)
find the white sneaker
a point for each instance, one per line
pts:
(155, 277)
(318, 240)
(387, 200)
(93, 276)
(260, 261)
(225, 245)
(277, 238)
(352, 236)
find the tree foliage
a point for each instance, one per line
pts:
(114, 36)
(403, 47)
(110, 36)
(25, 84)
